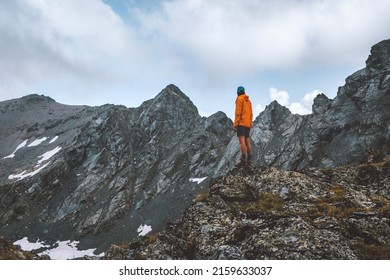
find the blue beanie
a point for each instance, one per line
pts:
(240, 89)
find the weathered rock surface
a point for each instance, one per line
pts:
(341, 213)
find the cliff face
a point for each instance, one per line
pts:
(339, 131)
(340, 213)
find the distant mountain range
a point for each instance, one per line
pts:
(107, 175)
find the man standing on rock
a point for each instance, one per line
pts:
(243, 124)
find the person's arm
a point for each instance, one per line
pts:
(238, 113)
(251, 116)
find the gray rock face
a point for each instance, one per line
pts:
(339, 131)
(96, 174)
(340, 213)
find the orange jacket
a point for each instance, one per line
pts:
(244, 114)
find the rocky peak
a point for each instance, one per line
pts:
(321, 104)
(27, 102)
(380, 56)
(172, 90)
(171, 108)
(275, 106)
(36, 98)
(274, 114)
(220, 124)
(173, 99)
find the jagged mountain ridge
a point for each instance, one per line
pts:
(104, 171)
(109, 169)
(339, 131)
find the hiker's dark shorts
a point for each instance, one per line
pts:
(243, 131)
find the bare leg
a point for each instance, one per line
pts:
(243, 146)
(248, 146)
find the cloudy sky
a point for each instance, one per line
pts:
(94, 52)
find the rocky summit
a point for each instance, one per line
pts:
(267, 213)
(108, 175)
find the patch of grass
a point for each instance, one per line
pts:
(383, 205)
(335, 205)
(384, 211)
(366, 251)
(140, 256)
(150, 239)
(337, 193)
(271, 201)
(267, 203)
(325, 208)
(202, 197)
(381, 164)
(379, 199)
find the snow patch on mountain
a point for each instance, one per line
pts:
(23, 175)
(17, 148)
(37, 142)
(144, 230)
(54, 139)
(46, 156)
(198, 180)
(32, 171)
(61, 250)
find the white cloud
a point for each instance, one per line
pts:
(70, 46)
(204, 114)
(302, 107)
(305, 105)
(236, 37)
(258, 109)
(299, 108)
(225, 37)
(81, 51)
(281, 96)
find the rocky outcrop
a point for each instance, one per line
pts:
(98, 174)
(340, 213)
(339, 131)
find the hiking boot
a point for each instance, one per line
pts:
(249, 160)
(241, 164)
